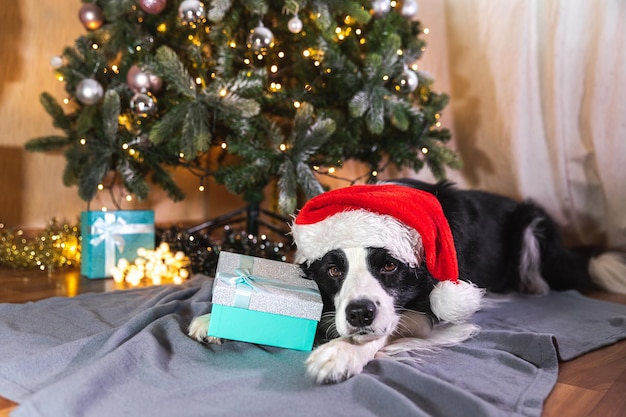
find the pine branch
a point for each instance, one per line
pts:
(111, 109)
(47, 143)
(54, 109)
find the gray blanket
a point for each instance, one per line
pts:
(126, 353)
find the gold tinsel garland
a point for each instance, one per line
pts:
(58, 246)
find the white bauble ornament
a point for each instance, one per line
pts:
(381, 7)
(191, 12)
(408, 8)
(260, 39)
(56, 62)
(294, 25)
(89, 91)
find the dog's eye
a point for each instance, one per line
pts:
(334, 271)
(390, 266)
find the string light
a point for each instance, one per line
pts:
(282, 147)
(162, 28)
(100, 187)
(424, 150)
(223, 145)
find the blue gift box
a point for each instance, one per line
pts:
(264, 301)
(108, 236)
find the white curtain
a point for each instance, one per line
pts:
(538, 104)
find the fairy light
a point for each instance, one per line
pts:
(115, 68)
(414, 67)
(306, 53)
(232, 44)
(282, 147)
(400, 52)
(223, 92)
(129, 198)
(274, 69)
(181, 155)
(201, 188)
(94, 46)
(100, 187)
(297, 104)
(374, 173)
(331, 170)
(104, 209)
(66, 100)
(83, 141)
(281, 54)
(259, 57)
(138, 48)
(426, 31)
(162, 28)
(437, 116)
(132, 152)
(124, 146)
(246, 61)
(385, 77)
(223, 145)
(198, 80)
(424, 150)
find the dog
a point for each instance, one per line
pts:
(403, 265)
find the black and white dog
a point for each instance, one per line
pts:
(402, 266)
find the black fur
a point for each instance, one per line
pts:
(488, 234)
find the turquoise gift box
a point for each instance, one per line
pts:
(108, 236)
(264, 301)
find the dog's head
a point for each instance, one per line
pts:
(376, 250)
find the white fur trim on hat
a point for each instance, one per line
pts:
(357, 228)
(455, 302)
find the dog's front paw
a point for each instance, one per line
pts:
(337, 361)
(199, 329)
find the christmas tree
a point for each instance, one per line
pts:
(245, 91)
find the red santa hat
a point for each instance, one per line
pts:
(409, 223)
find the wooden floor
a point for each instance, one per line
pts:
(592, 385)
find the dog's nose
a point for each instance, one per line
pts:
(361, 313)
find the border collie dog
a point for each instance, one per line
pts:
(402, 266)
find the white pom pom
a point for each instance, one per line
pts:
(455, 302)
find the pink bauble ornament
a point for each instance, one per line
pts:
(90, 15)
(156, 83)
(152, 6)
(138, 79)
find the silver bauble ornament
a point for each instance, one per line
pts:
(191, 12)
(143, 105)
(138, 79)
(152, 6)
(89, 91)
(294, 24)
(381, 7)
(407, 82)
(90, 15)
(260, 39)
(408, 8)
